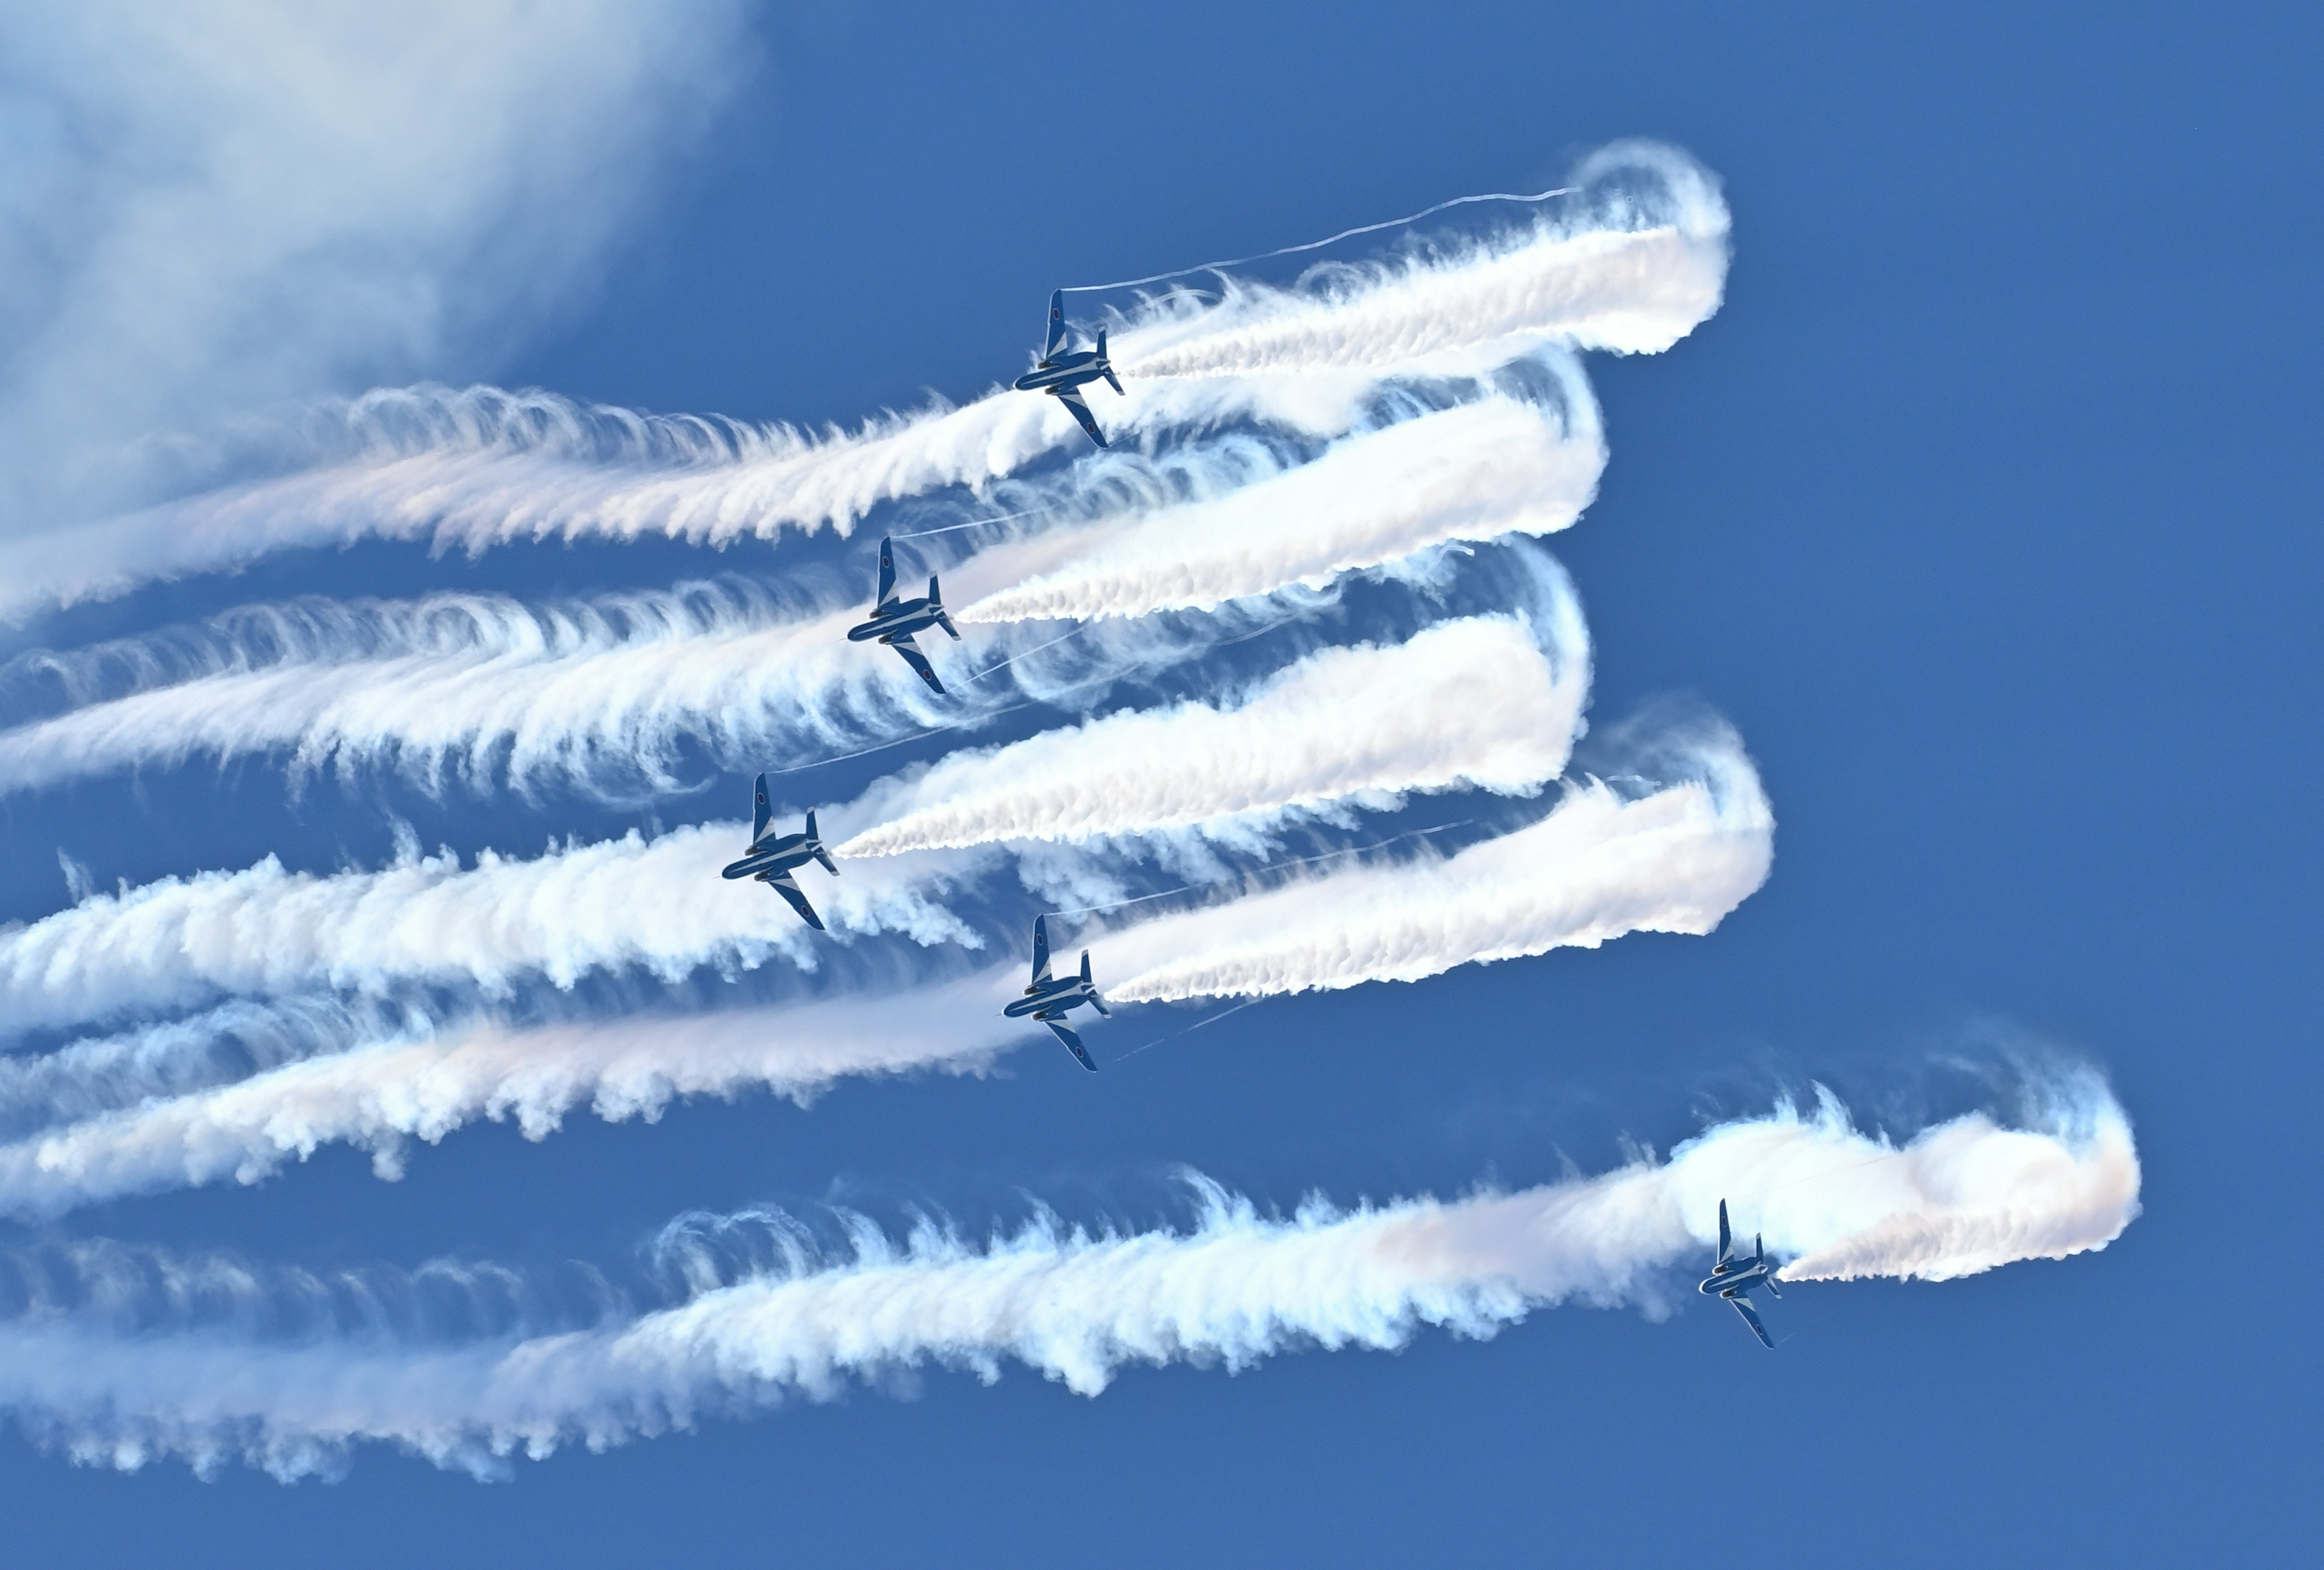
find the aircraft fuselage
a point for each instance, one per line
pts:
(900, 620)
(1067, 992)
(1733, 1282)
(1062, 374)
(772, 858)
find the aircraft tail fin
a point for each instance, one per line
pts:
(936, 606)
(1106, 364)
(814, 844)
(759, 812)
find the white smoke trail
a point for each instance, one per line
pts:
(1639, 263)
(1601, 865)
(601, 693)
(1478, 471)
(1471, 702)
(461, 682)
(410, 1080)
(92, 1077)
(604, 692)
(657, 904)
(1966, 1196)
(1637, 274)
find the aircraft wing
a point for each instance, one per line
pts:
(1071, 398)
(1726, 1241)
(1751, 1314)
(783, 884)
(902, 644)
(1081, 1054)
(887, 594)
(1040, 950)
(1057, 334)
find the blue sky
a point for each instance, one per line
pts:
(1983, 496)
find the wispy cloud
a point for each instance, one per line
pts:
(212, 208)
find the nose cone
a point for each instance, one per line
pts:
(740, 869)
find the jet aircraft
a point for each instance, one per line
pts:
(772, 857)
(1733, 1278)
(1048, 997)
(1064, 375)
(893, 621)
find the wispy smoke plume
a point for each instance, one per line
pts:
(378, 1081)
(1477, 471)
(658, 905)
(1238, 1286)
(1639, 263)
(601, 693)
(1604, 862)
(1632, 265)
(1471, 702)
(98, 1074)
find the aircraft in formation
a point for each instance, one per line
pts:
(1050, 996)
(772, 858)
(1733, 1278)
(1061, 374)
(893, 621)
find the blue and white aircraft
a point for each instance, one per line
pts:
(1063, 375)
(1732, 1279)
(1048, 997)
(772, 857)
(893, 621)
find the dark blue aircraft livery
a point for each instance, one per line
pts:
(1049, 996)
(893, 621)
(1733, 1278)
(1063, 375)
(772, 857)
